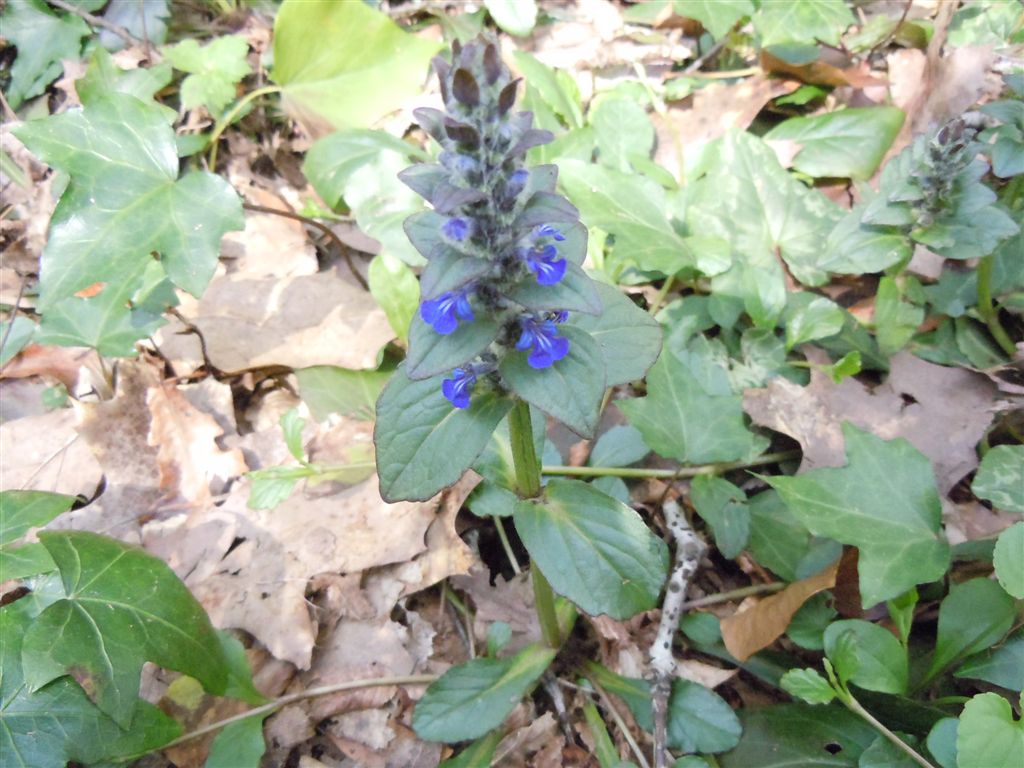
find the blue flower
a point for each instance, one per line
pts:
(546, 230)
(444, 312)
(542, 336)
(517, 182)
(456, 228)
(544, 263)
(459, 386)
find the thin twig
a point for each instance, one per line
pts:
(98, 21)
(309, 693)
(343, 249)
(609, 706)
(642, 472)
(733, 594)
(689, 551)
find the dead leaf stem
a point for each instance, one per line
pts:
(643, 472)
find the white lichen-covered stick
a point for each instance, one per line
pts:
(689, 551)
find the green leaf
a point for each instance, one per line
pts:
(1000, 478)
(848, 143)
(808, 685)
(778, 540)
(22, 510)
(884, 754)
(43, 41)
(239, 745)
(430, 353)
(882, 660)
(103, 76)
(423, 443)
(396, 289)
(516, 17)
(717, 16)
(291, 426)
(809, 317)
(1003, 665)
(984, 23)
(628, 337)
(941, 742)
(344, 63)
(215, 70)
(328, 389)
(884, 502)
(687, 417)
(896, 320)
(20, 562)
(1008, 562)
(15, 334)
(988, 736)
(556, 87)
(620, 446)
(109, 624)
(58, 723)
(784, 736)
(974, 616)
(470, 699)
(240, 685)
(570, 390)
(496, 463)
(722, 506)
(114, 215)
(802, 21)
(594, 550)
(479, 753)
(622, 130)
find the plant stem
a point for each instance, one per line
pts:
(507, 546)
(230, 116)
(987, 309)
(310, 693)
(524, 458)
(854, 706)
(734, 594)
(640, 472)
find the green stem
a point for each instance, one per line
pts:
(987, 310)
(507, 546)
(640, 472)
(524, 458)
(854, 706)
(230, 116)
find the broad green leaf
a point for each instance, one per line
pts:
(381, 203)
(103, 76)
(594, 550)
(58, 723)
(396, 289)
(688, 417)
(472, 698)
(15, 334)
(240, 685)
(43, 40)
(215, 69)
(1008, 560)
(884, 502)
(633, 209)
(717, 16)
(424, 444)
(1003, 665)
(785, 736)
(989, 22)
(22, 510)
(555, 86)
(882, 660)
(942, 742)
(848, 143)
(479, 753)
(722, 506)
(109, 624)
(345, 64)
(22, 561)
(570, 390)
(974, 616)
(896, 320)
(115, 214)
(575, 293)
(778, 540)
(516, 17)
(807, 685)
(622, 130)
(749, 200)
(239, 745)
(620, 446)
(988, 736)
(328, 389)
(807, 627)
(431, 353)
(884, 754)
(843, 661)
(1000, 478)
(628, 337)
(802, 21)
(809, 317)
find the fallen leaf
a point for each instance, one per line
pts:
(270, 245)
(510, 601)
(65, 364)
(45, 453)
(747, 632)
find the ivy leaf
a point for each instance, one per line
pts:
(722, 506)
(215, 69)
(43, 41)
(884, 502)
(1008, 562)
(896, 320)
(57, 723)
(802, 21)
(108, 625)
(988, 736)
(357, 68)
(104, 76)
(622, 130)
(594, 550)
(847, 143)
(472, 698)
(717, 16)
(809, 317)
(1000, 478)
(115, 214)
(807, 685)
(22, 510)
(974, 616)
(1003, 666)
(689, 416)
(423, 443)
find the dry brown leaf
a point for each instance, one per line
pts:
(65, 364)
(942, 411)
(822, 72)
(747, 632)
(509, 601)
(45, 453)
(270, 245)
